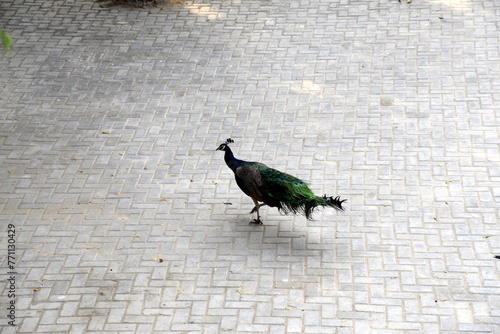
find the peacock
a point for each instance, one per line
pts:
(274, 188)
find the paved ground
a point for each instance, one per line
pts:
(127, 221)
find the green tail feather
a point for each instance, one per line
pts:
(292, 195)
(308, 207)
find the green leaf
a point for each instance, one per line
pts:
(7, 40)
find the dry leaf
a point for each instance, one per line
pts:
(105, 132)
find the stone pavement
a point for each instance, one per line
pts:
(127, 221)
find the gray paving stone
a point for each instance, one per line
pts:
(109, 118)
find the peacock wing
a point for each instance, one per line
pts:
(249, 180)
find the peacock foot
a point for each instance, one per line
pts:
(254, 209)
(257, 222)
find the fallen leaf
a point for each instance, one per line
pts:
(118, 193)
(239, 291)
(36, 289)
(105, 132)
(101, 293)
(161, 260)
(137, 236)
(163, 199)
(10, 172)
(449, 181)
(156, 258)
(435, 218)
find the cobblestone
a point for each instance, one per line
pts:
(128, 221)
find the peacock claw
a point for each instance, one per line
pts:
(257, 222)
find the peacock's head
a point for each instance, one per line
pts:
(223, 146)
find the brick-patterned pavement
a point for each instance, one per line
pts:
(127, 220)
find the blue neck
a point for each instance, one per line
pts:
(230, 160)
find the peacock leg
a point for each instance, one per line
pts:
(256, 209)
